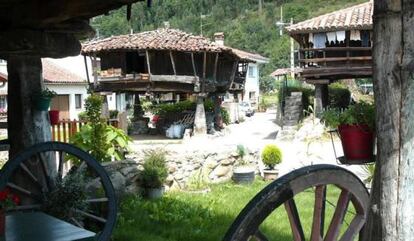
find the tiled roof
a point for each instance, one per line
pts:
(249, 56)
(284, 71)
(355, 17)
(160, 39)
(54, 74)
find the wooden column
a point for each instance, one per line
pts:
(200, 124)
(26, 124)
(391, 217)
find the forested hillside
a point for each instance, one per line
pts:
(245, 25)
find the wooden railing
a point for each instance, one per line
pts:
(335, 56)
(65, 129)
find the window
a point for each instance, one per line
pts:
(252, 95)
(252, 72)
(78, 101)
(3, 103)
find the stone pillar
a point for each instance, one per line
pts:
(26, 124)
(200, 124)
(321, 98)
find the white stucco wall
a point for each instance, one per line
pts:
(252, 85)
(71, 90)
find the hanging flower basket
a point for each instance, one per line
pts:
(356, 129)
(54, 117)
(43, 99)
(43, 103)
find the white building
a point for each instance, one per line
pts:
(68, 82)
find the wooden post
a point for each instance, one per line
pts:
(391, 216)
(95, 71)
(215, 66)
(148, 62)
(203, 87)
(192, 61)
(173, 63)
(26, 124)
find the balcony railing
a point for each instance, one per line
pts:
(335, 57)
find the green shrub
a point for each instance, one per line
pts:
(225, 115)
(97, 138)
(113, 114)
(271, 155)
(155, 170)
(339, 96)
(82, 116)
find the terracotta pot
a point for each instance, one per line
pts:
(54, 117)
(270, 174)
(2, 222)
(357, 142)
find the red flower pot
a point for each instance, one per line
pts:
(54, 117)
(357, 141)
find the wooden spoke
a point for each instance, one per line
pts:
(354, 228)
(259, 236)
(338, 216)
(318, 214)
(89, 215)
(76, 222)
(30, 174)
(45, 172)
(23, 191)
(97, 200)
(294, 220)
(60, 165)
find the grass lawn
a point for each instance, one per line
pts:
(183, 216)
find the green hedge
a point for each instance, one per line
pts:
(339, 96)
(187, 105)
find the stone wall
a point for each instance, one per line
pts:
(184, 169)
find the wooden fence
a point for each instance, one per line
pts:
(65, 129)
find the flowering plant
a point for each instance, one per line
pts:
(8, 199)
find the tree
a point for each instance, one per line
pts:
(390, 216)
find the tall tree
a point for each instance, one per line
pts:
(391, 216)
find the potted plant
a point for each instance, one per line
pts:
(154, 174)
(271, 156)
(243, 173)
(7, 200)
(356, 128)
(43, 99)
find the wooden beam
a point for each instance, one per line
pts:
(148, 61)
(173, 63)
(95, 70)
(336, 59)
(38, 43)
(234, 70)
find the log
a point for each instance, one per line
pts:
(390, 216)
(38, 43)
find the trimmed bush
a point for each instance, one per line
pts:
(339, 96)
(225, 115)
(271, 156)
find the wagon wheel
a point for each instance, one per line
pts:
(315, 181)
(52, 172)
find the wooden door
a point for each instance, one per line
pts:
(61, 103)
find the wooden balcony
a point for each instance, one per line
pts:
(334, 63)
